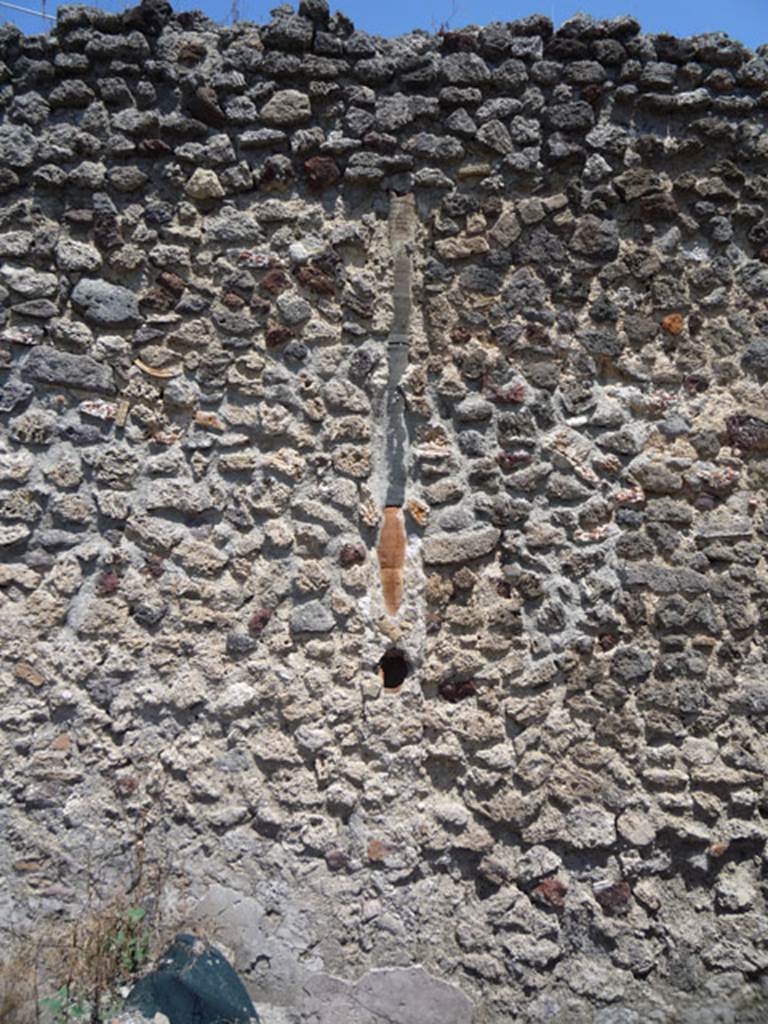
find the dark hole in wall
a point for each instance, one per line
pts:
(394, 669)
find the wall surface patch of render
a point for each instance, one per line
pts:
(505, 290)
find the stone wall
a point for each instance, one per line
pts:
(260, 282)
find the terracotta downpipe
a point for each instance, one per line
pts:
(391, 552)
(392, 542)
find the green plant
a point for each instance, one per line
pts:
(62, 1008)
(71, 970)
(98, 954)
(131, 940)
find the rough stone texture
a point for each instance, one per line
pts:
(204, 184)
(226, 263)
(47, 365)
(460, 547)
(288, 107)
(406, 994)
(106, 305)
(312, 618)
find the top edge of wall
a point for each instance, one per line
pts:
(152, 16)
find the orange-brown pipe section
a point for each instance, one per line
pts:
(391, 552)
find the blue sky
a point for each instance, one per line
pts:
(746, 20)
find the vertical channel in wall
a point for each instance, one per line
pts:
(402, 227)
(392, 544)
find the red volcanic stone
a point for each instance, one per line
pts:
(317, 281)
(378, 851)
(259, 620)
(278, 336)
(154, 147)
(336, 860)
(232, 300)
(172, 283)
(322, 172)
(274, 282)
(551, 892)
(613, 897)
(458, 42)
(108, 583)
(352, 554)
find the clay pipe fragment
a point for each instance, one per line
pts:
(391, 553)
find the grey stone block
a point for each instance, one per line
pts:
(47, 365)
(106, 305)
(665, 581)
(13, 394)
(445, 549)
(288, 107)
(313, 617)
